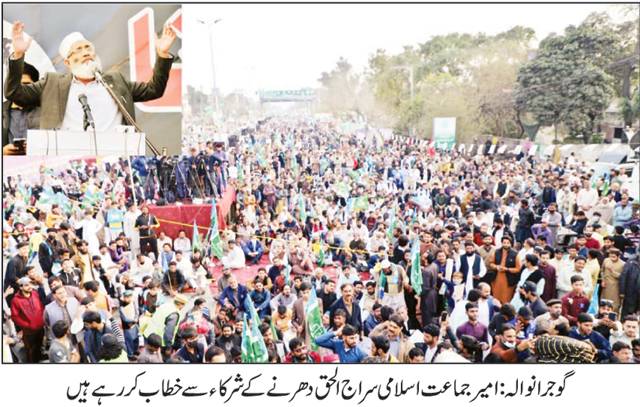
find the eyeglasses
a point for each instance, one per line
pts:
(81, 48)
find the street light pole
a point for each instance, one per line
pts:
(409, 69)
(210, 26)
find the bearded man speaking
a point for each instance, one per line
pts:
(57, 94)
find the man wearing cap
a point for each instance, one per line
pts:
(471, 266)
(48, 251)
(57, 94)
(16, 120)
(16, 268)
(584, 331)
(165, 322)
(530, 273)
(27, 313)
(392, 280)
(552, 318)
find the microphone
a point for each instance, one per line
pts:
(88, 117)
(98, 74)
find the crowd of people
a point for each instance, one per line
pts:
(404, 253)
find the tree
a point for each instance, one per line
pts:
(463, 75)
(339, 88)
(567, 82)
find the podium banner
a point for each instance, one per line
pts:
(56, 142)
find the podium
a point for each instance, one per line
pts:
(123, 141)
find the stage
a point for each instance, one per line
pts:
(176, 217)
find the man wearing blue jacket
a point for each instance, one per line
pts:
(233, 296)
(253, 250)
(343, 342)
(584, 331)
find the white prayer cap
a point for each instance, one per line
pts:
(67, 43)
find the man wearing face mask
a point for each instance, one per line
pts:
(192, 351)
(508, 349)
(57, 94)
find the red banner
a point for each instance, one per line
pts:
(174, 218)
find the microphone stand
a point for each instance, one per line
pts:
(86, 123)
(125, 113)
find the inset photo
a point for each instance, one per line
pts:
(97, 79)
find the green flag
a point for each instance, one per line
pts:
(214, 235)
(321, 256)
(361, 203)
(196, 244)
(392, 225)
(247, 353)
(274, 331)
(287, 274)
(258, 348)
(314, 319)
(416, 273)
(302, 208)
(92, 198)
(25, 193)
(240, 172)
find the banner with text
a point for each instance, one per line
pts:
(444, 132)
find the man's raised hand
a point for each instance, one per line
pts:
(164, 43)
(20, 42)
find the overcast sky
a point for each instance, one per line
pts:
(288, 46)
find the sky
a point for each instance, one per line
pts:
(288, 46)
